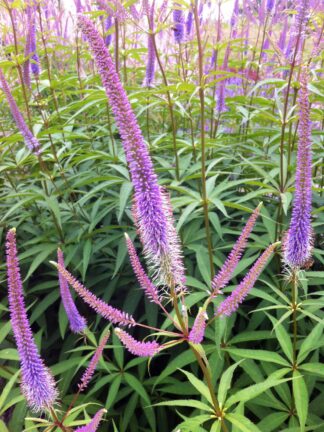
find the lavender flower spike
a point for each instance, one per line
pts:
(152, 222)
(140, 349)
(77, 322)
(149, 288)
(224, 275)
(197, 332)
(94, 423)
(37, 382)
(110, 313)
(31, 142)
(86, 377)
(299, 239)
(232, 302)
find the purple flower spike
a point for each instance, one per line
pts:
(178, 23)
(86, 377)
(152, 221)
(34, 65)
(270, 4)
(77, 322)
(94, 423)
(149, 288)
(150, 65)
(108, 24)
(30, 48)
(299, 239)
(140, 349)
(197, 332)
(189, 22)
(110, 313)
(232, 302)
(31, 142)
(224, 275)
(37, 382)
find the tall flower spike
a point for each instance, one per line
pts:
(149, 288)
(224, 275)
(94, 423)
(140, 349)
(31, 142)
(232, 302)
(197, 332)
(37, 382)
(105, 310)
(299, 239)
(77, 322)
(86, 377)
(152, 222)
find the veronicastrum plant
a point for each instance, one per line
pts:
(186, 325)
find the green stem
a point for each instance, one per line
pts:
(202, 141)
(294, 288)
(170, 106)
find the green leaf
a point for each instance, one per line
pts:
(254, 390)
(242, 423)
(300, 393)
(273, 421)
(6, 390)
(113, 391)
(310, 342)
(136, 385)
(283, 338)
(261, 355)
(3, 427)
(199, 385)
(203, 264)
(125, 192)
(192, 403)
(178, 362)
(225, 383)
(316, 369)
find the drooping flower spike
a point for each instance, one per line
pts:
(140, 349)
(37, 382)
(102, 308)
(152, 222)
(224, 275)
(31, 141)
(86, 377)
(77, 322)
(298, 243)
(94, 423)
(232, 302)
